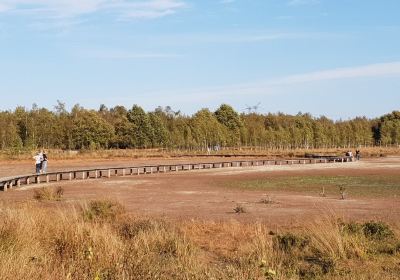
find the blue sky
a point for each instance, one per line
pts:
(339, 58)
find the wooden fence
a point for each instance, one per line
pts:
(108, 172)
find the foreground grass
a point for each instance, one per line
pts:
(373, 186)
(100, 241)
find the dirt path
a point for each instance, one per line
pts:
(205, 195)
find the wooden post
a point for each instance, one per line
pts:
(83, 175)
(10, 185)
(138, 171)
(96, 175)
(108, 173)
(37, 179)
(28, 180)
(47, 178)
(18, 182)
(5, 186)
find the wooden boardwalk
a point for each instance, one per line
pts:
(97, 173)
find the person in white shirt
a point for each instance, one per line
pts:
(38, 160)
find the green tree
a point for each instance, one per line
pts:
(9, 136)
(142, 130)
(206, 129)
(160, 137)
(228, 117)
(90, 130)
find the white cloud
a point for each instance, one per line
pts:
(241, 37)
(271, 86)
(74, 8)
(303, 2)
(227, 1)
(3, 7)
(118, 54)
(367, 71)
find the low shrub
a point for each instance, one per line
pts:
(130, 228)
(48, 193)
(239, 209)
(377, 230)
(102, 210)
(351, 228)
(267, 200)
(289, 241)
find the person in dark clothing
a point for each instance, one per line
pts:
(358, 154)
(44, 163)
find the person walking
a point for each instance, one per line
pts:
(44, 162)
(358, 154)
(38, 162)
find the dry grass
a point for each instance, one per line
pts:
(38, 243)
(48, 193)
(55, 154)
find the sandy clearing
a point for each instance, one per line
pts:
(203, 194)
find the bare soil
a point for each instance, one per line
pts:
(204, 194)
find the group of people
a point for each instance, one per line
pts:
(350, 154)
(41, 162)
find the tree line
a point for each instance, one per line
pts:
(122, 128)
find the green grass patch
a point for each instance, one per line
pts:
(356, 186)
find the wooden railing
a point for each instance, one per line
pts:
(108, 172)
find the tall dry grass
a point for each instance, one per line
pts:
(56, 154)
(99, 240)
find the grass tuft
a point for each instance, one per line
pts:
(102, 210)
(239, 209)
(48, 193)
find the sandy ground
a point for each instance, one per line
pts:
(204, 194)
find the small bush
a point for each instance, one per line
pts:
(351, 228)
(102, 210)
(129, 229)
(377, 230)
(239, 209)
(287, 242)
(342, 191)
(48, 193)
(267, 200)
(388, 248)
(326, 264)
